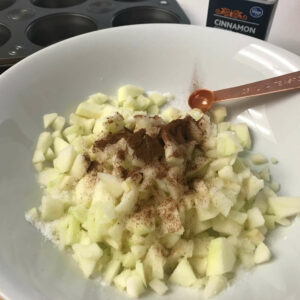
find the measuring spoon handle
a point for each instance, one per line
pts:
(282, 83)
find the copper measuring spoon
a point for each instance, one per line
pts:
(204, 99)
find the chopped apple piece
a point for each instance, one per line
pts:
(215, 285)
(253, 186)
(111, 270)
(79, 167)
(219, 113)
(262, 254)
(270, 221)
(86, 124)
(51, 208)
(158, 286)
(183, 274)
(97, 98)
(275, 186)
(226, 226)
(274, 160)
(58, 123)
(255, 218)
(196, 114)
(120, 280)
(129, 91)
(90, 110)
(44, 141)
(158, 99)
(228, 143)
(238, 217)
(284, 206)
(49, 119)
(258, 159)
(221, 257)
(265, 174)
(87, 257)
(47, 176)
(69, 231)
(49, 155)
(224, 126)
(112, 184)
(135, 286)
(170, 114)
(139, 251)
(243, 134)
(79, 212)
(199, 264)
(59, 145)
(153, 110)
(127, 202)
(139, 267)
(38, 157)
(64, 161)
(38, 166)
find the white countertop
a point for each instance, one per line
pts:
(285, 30)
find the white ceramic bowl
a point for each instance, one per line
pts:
(172, 58)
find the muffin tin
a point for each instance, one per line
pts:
(27, 26)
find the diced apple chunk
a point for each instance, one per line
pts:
(63, 162)
(228, 143)
(38, 157)
(274, 160)
(253, 186)
(243, 134)
(138, 250)
(215, 285)
(59, 144)
(284, 206)
(196, 114)
(127, 202)
(158, 286)
(69, 231)
(39, 166)
(49, 155)
(258, 159)
(158, 98)
(199, 264)
(255, 218)
(79, 166)
(226, 226)
(86, 124)
(47, 176)
(135, 286)
(51, 208)
(48, 119)
(97, 98)
(58, 123)
(238, 217)
(87, 257)
(90, 110)
(170, 114)
(219, 113)
(275, 186)
(183, 274)
(44, 141)
(262, 254)
(221, 257)
(139, 267)
(112, 184)
(128, 90)
(111, 270)
(120, 280)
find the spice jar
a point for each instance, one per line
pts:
(250, 17)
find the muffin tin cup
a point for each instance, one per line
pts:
(28, 26)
